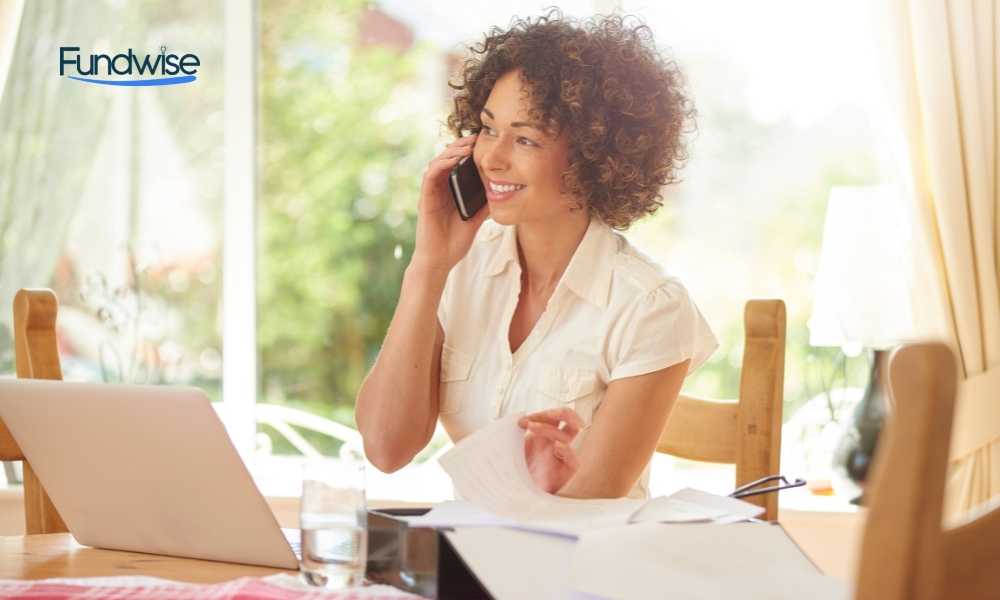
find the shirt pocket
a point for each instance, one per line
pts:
(456, 367)
(571, 386)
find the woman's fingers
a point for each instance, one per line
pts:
(461, 143)
(439, 165)
(553, 416)
(447, 160)
(458, 152)
(468, 140)
(551, 432)
(566, 454)
(453, 152)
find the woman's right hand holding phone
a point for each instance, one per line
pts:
(443, 238)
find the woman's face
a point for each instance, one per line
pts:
(510, 151)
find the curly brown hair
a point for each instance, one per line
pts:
(624, 106)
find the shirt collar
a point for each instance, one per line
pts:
(588, 274)
(506, 250)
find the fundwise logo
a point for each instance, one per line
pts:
(160, 69)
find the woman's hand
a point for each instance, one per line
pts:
(548, 434)
(443, 238)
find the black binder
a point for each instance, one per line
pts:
(420, 560)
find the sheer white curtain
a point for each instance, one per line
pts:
(941, 65)
(10, 20)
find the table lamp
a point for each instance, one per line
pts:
(862, 301)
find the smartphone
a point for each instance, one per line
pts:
(467, 188)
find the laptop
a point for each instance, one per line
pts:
(145, 469)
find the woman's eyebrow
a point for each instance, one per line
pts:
(489, 114)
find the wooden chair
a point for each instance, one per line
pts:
(906, 553)
(746, 432)
(37, 357)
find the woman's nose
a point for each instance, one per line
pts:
(495, 157)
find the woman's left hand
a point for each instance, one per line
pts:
(551, 460)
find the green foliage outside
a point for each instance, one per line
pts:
(339, 186)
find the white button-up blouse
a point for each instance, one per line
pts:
(613, 314)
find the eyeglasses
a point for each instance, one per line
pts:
(748, 490)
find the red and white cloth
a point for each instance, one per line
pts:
(275, 587)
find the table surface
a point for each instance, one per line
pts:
(58, 555)
(829, 539)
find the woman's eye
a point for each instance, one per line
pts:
(521, 140)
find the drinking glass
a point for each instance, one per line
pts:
(334, 521)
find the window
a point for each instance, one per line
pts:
(139, 210)
(110, 194)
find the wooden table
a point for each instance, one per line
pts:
(829, 539)
(58, 555)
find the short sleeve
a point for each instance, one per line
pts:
(660, 329)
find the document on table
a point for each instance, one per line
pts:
(698, 561)
(695, 506)
(488, 470)
(514, 565)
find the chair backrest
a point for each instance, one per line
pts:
(906, 553)
(37, 357)
(745, 432)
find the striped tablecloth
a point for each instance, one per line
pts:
(275, 587)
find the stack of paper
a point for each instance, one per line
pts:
(671, 546)
(488, 469)
(697, 561)
(695, 506)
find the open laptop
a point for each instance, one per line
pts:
(143, 468)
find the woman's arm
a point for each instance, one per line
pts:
(397, 406)
(624, 433)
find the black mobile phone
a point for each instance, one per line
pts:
(467, 188)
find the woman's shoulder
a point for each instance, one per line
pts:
(640, 274)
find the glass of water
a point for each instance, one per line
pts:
(334, 521)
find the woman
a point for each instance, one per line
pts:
(544, 309)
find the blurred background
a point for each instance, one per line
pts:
(115, 198)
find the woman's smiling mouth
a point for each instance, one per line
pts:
(500, 191)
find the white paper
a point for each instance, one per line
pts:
(514, 565)
(695, 506)
(488, 469)
(697, 562)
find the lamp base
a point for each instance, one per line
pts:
(853, 455)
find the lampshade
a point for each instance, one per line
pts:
(862, 295)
